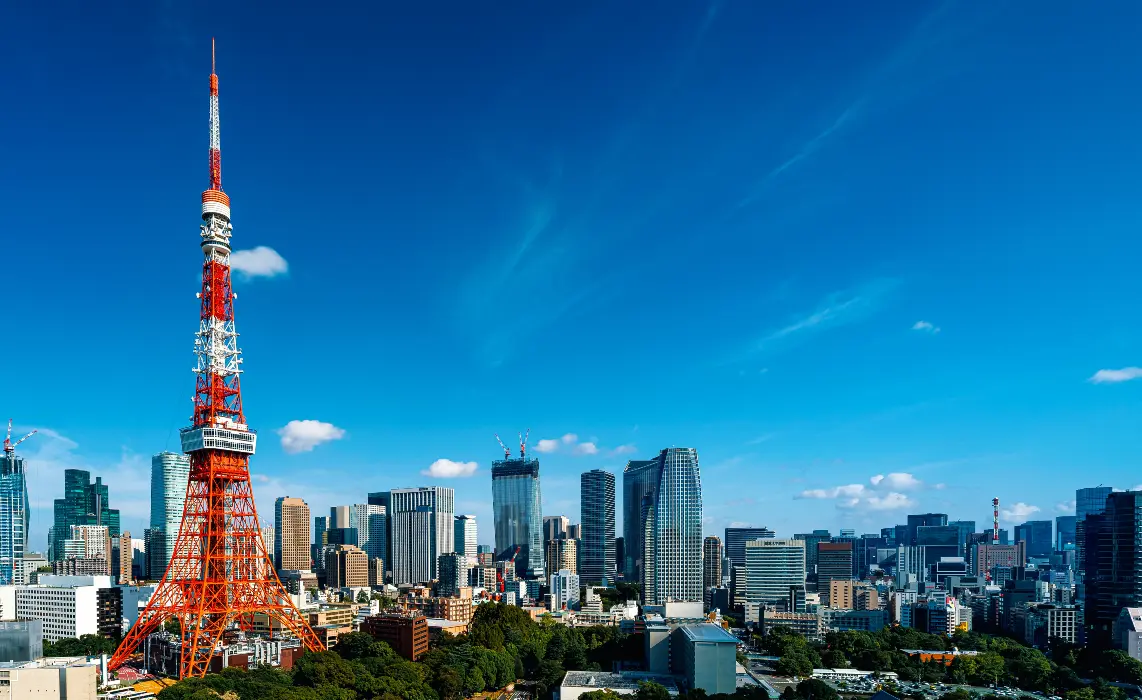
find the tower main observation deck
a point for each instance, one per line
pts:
(220, 574)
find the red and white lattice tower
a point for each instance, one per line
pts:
(220, 574)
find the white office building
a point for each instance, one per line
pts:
(67, 605)
(565, 588)
(464, 538)
(773, 568)
(371, 522)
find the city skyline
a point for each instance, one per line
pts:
(854, 341)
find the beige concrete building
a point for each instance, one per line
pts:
(48, 679)
(347, 567)
(291, 534)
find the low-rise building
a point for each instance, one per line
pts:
(1047, 621)
(437, 627)
(804, 624)
(22, 640)
(575, 683)
(405, 632)
(164, 654)
(1127, 631)
(48, 679)
(833, 620)
(71, 606)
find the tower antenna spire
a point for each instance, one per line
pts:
(215, 141)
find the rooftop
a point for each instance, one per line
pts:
(708, 632)
(616, 681)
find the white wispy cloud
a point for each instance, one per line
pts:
(889, 501)
(926, 327)
(837, 308)
(304, 435)
(624, 450)
(898, 481)
(547, 446)
(1114, 376)
(447, 469)
(1018, 511)
(760, 439)
(261, 261)
(1065, 507)
(585, 448)
(570, 443)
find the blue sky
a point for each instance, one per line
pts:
(817, 242)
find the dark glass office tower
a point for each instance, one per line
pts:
(640, 480)
(736, 537)
(1113, 564)
(1039, 536)
(1088, 501)
(83, 503)
(517, 514)
(597, 544)
(1064, 532)
(923, 520)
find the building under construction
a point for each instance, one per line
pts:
(164, 653)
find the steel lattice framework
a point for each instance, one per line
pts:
(220, 574)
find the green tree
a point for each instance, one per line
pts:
(814, 689)
(320, 668)
(834, 658)
(85, 645)
(957, 694)
(362, 596)
(600, 695)
(794, 663)
(649, 690)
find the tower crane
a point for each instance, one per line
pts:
(523, 444)
(507, 452)
(9, 446)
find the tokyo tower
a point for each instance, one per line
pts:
(220, 574)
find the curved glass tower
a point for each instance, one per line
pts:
(518, 515)
(13, 518)
(674, 530)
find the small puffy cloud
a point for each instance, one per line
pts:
(547, 446)
(1018, 511)
(570, 442)
(1114, 376)
(897, 481)
(304, 435)
(1065, 507)
(624, 450)
(585, 448)
(447, 469)
(940, 487)
(847, 491)
(261, 261)
(889, 501)
(925, 327)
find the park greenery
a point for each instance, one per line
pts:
(1076, 673)
(503, 646)
(86, 645)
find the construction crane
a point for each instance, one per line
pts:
(507, 452)
(9, 446)
(523, 444)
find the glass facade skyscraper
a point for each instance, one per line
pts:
(673, 530)
(83, 503)
(371, 522)
(640, 482)
(464, 537)
(1039, 536)
(597, 544)
(1064, 532)
(169, 475)
(13, 519)
(1088, 501)
(421, 523)
(516, 510)
(735, 540)
(1113, 564)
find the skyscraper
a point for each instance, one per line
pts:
(1088, 501)
(811, 540)
(320, 527)
(516, 509)
(464, 536)
(1039, 536)
(453, 573)
(834, 562)
(169, 474)
(673, 530)
(640, 481)
(598, 521)
(339, 517)
(1064, 531)
(13, 518)
(371, 522)
(84, 503)
(554, 527)
(736, 537)
(711, 565)
(922, 520)
(422, 523)
(1113, 563)
(772, 568)
(965, 529)
(291, 534)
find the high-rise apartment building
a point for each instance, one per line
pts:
(291, 534)
(1039, 536)
(320, 527)
(736, 537)
(346, 566)
(516, 510)
(561, 553)
(672, 525)
(422, 527)
(834, 562)
(711, 563)
(84, 503)
(598, 533)
(14, 511)
(564, 586)
(773, 568)
(464, 536)
(640, 482)
(1113, 564)
(371, 522)
(453, 576)
(169, 473)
